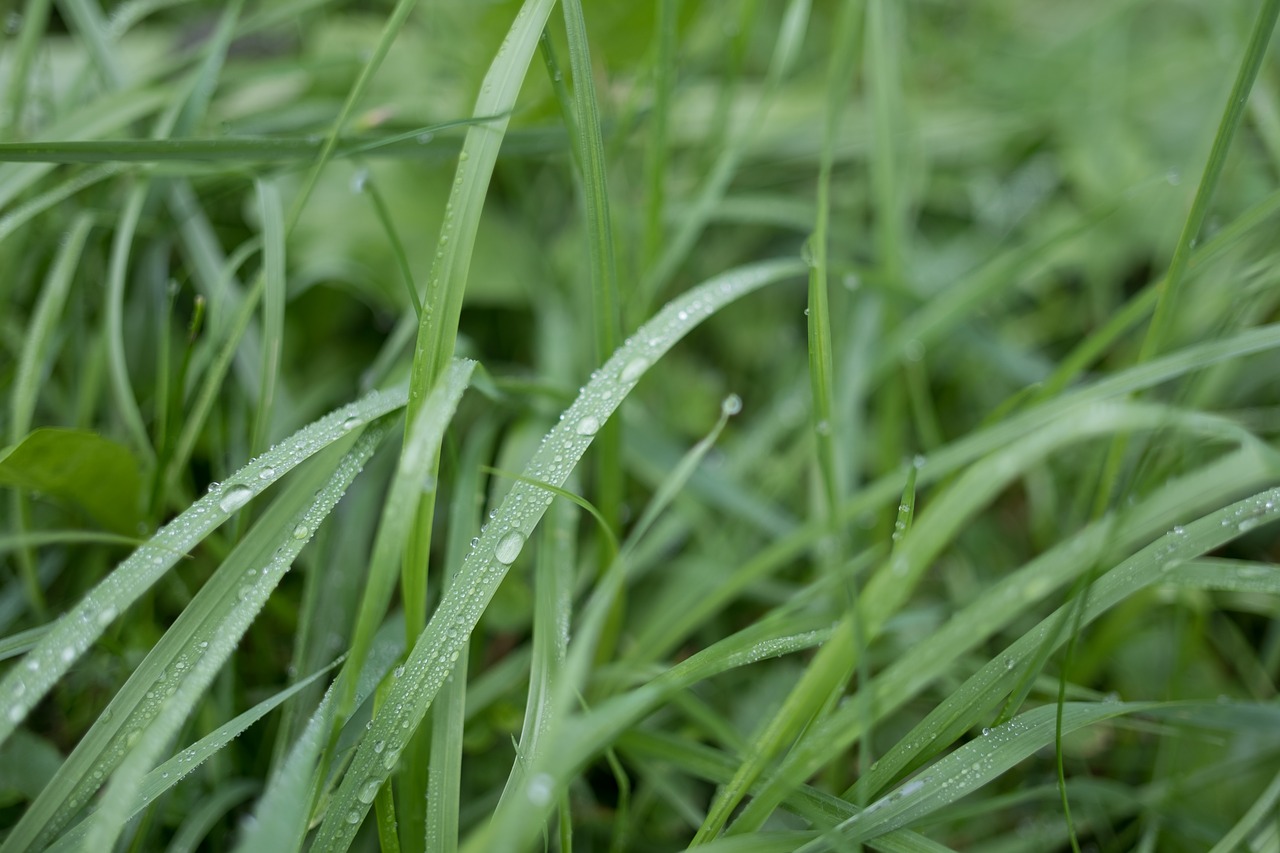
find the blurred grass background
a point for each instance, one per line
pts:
(1008, 178)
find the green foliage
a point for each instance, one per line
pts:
(968, 544)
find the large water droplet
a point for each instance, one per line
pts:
(634, 369)
(589, 425)
(235, 497)
(301, 532)
(731, 405)
(353, 817)
(351, 423)
(509, 547)
(541, 787)
(369, 790)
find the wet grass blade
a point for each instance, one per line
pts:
(503, 539)
(27, 683)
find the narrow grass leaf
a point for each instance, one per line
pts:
(177, 768)
(503, 539)
(422, 444)
(27, 683)
(236, 611)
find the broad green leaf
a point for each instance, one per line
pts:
(81, 469)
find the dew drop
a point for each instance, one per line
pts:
(68, 655)
(633, 370)
(424, 138)
(397, 672)
(15, 714)
(235, 497)
(588, 425)
(358, 180)
(379, 746)
(353, 817)
(107, 615)
(301, 531)
(731, 405)
(351, 423)
(267, 473)
(389, 760)
(540, 789)
(369, 790)
(509, 547)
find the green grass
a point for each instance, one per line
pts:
(414, 444)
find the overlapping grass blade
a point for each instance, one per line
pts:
(502, 540)
(173, 771)
(234, 608)
(161, 691)
(421, 447)
(27, 683)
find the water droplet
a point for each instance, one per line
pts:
(464, 156)
(301, 531)
(633, 370)
(541, 787)
(267, 473)
(1248, 524)
(589, 425)
(509, 547)
(424, 138)
(15, 714)
(235, 497)
(358, 180)
(107, 615)
(378, 746)
(397, 672)
(389, 760)
(351, 423)
(986, 731)
(68, 654)
(369, 790)
(731, 405)
(823, 428)
(353, 817)
(214, 486)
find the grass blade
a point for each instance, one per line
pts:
(27, 683)
(435, 652)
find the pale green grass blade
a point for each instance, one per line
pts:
(1160, 561)
(273, 301)
(194, 648)
(243, 604)
(501, 542)
(173, 771)
(448, 720)
(697, 214)
(27, 683)
(100, 115)
(33, 22)
(207, 815)
(970, 767)
(37, 349)
(395, 22)
(29, 210)
(113, 320)
(1250, 63)
(280, 819)
(605, 297)
(998, 606)
(422, 444)
(656, 157)
(442, 306)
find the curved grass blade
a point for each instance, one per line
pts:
(969, 768)
(204, 629)
(28, 682)
(1162, 560)
(242, 606)
(281, 816)
(422, 444)
(173, 771)
(438, 647)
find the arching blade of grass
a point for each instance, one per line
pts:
(968, 768)
(605, 301)
(273, 301)
(1163, 560)
(680, 621)
(234, 607)
(113, 321)
(993, 611)
(502, 540)
(29, 210)
(195, 647)
(28, 682)
(173, 771)
(892, 584)
(422, 444)
(33, 366)
(448, 720)
(283, 811)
